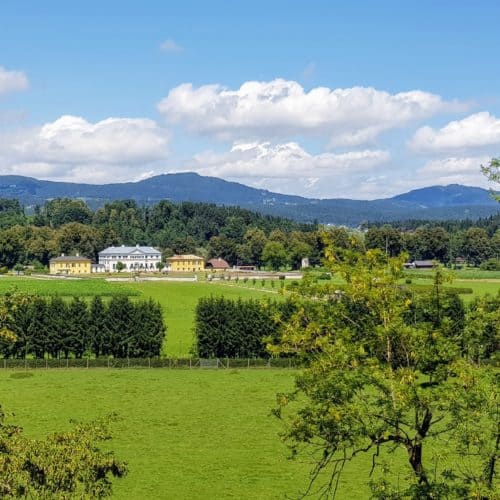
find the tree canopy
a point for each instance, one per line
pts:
(389, 372)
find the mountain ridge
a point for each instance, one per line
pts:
(454, 201)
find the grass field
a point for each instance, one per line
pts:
(197, 434)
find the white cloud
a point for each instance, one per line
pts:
(287, 167)
(281, 108)
(475, 131)
(453, 170)
(170, 46)
(71, 148)
(11, 81)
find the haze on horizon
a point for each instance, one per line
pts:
(328, 100)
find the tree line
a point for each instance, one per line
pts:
(69, 226)
(476, 245)
(51, 327)
(237, 235)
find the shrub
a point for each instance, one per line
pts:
(490, 265)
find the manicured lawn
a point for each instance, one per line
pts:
(186, 434)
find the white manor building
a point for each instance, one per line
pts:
(133, 258)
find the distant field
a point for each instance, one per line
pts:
(194, 435)
(64, 287)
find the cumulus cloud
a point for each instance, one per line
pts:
(475, 131)
(170, 46)
(287, 167)
(281, 108)
(72, 148)
(12, 81)
(453, 170)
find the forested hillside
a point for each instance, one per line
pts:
(238, 235)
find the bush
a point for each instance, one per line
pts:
(490, 265)
(325, 276)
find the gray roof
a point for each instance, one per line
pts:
(123, 250)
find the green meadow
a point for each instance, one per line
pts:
(185, 434)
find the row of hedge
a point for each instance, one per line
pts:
(51, 327)
(237, 328)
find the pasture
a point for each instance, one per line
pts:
(186, 434)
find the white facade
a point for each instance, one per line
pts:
(133, 258)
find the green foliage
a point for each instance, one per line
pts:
(390, 371)
(120, 328)
(492, 172)
(236, 328)
(64, 465)
(490, 265)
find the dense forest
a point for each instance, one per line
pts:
(238, 235)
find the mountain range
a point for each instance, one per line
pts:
(437, 202)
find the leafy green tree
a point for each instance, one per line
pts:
(64, 465)
(379, 381)
(492, 172)
(120, 266)
(250, 252)
(275, 256)
(77, 337)
(97, 325)
(386, 238)
(62, 211)
(58, 325)
(476, 246)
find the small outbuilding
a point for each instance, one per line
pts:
(218, 264)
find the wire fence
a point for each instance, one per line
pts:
(145, 363)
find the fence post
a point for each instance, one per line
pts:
(108, 362)
(67, 362)
(87, 363)
(46, 364)
(269, 363)
(248, 362)
(149, 362)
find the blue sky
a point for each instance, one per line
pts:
(328, 99)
